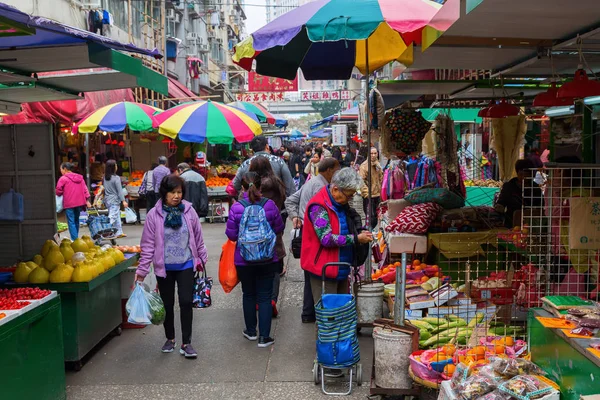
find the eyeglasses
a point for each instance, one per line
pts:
(345, 193)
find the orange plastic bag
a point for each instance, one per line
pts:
(227, 273)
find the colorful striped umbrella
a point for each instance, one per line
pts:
(207, 120)
(257, 109)
(116, 117)
(326, 39)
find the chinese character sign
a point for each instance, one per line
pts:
(258, 97)
(260, 83)
(325, 95)
(584, 223)
(339, 135)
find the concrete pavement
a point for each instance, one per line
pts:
(228, 367)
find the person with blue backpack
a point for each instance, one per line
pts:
(253, 224)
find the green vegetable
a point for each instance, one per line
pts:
(424, 334)
(421, 324)
(157, 308)
(478, 318)
(448, 325)
(435, 340)
(434, 321)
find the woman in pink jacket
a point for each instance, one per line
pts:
(172, 241)
(72, 187)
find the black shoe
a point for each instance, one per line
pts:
(308, 320)
(265, 341)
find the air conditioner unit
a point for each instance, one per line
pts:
(219, 40)
(170, 14)
(211, 34)
(91, 4)
(192, 36)
(177, 18)
(204, 48)
(200, 40)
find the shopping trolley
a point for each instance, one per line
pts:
(337, 337)
(100, 227)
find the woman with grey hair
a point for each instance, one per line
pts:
(334, 231)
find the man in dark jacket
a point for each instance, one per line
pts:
(195, 189)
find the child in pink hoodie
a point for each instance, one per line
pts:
(72, 187)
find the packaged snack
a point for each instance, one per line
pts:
(582, 332)
(475, 386)
(495, 395)
(461, 373)
(525, 387)
(510, 367)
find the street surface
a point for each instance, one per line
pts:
(228, 366)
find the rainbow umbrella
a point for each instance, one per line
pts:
(257, 109)
(326, 39)
(207, 120)
(116, 117)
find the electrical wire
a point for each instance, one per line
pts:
(201, 2)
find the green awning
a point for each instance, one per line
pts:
(464, 115)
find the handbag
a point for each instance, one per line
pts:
(202, 288)
(227, 272)
(296, 243)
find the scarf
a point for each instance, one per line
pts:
(173, 219)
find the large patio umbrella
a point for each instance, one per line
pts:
(326, 39)
(257, 109)
(207, 120)
(116, 117)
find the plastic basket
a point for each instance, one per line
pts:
(422, 371)
(100, 227)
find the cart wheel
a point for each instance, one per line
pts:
(358, 329)
(117, 331)
(359, 374)
(316, 372)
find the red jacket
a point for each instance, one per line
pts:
(73, 189)
(314, 255)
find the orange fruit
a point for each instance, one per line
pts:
(378, 274)
(439, 357)
(449, 349)
(449, 369)
(373, 277)
(397, 264)
(418, 267)
(416, 262)
(508, 341)
(499, 349)
(479, 350)
(435, 267)
(386, 270)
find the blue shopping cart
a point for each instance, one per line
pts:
(337, 335)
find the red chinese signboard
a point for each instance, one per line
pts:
(257, 97)
(260, 83)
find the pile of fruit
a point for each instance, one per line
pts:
(78, 261)
(129, 249)
(215, 181)
(516, 236)
(135, 178)
(417, 273)
(61, 226)
(226, 170)
(12, 304)
(436, 331)
(24, 293)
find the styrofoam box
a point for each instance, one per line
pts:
(405, 243)
(10, 315)
(52, 295)
(395, 207)
(447, 393)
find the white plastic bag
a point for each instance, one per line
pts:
(130, 216)
(138, 307)
(59, 204)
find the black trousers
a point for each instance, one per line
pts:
(185, 290)
(374, 204)
(151, 199)
(308, 304)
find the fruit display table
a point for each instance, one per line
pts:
(31, 354)
(90, 310)
(567, 360)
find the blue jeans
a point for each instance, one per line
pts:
(257, 288)
(114, 215)
(73, 221)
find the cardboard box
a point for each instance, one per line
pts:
(407, 243)
(444, 293)
(419, 302)
(395, 207)
(408, 314)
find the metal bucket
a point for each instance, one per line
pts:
(369, 302)
(392, 351)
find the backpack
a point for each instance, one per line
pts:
(256, 240)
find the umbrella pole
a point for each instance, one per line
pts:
(87, 160)
(368, 264)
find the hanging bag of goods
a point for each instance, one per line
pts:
(407, 129)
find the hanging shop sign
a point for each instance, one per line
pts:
(339, 135)
(584, 223)
(256, 97)
(260, 83)
(325, 95)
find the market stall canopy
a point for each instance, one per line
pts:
(350, 114)
(510, 36)
(178, 91)
(320, 134)
(199, 121)
(306, 37)
(46, 53)
(465, 115)
(257, 109)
